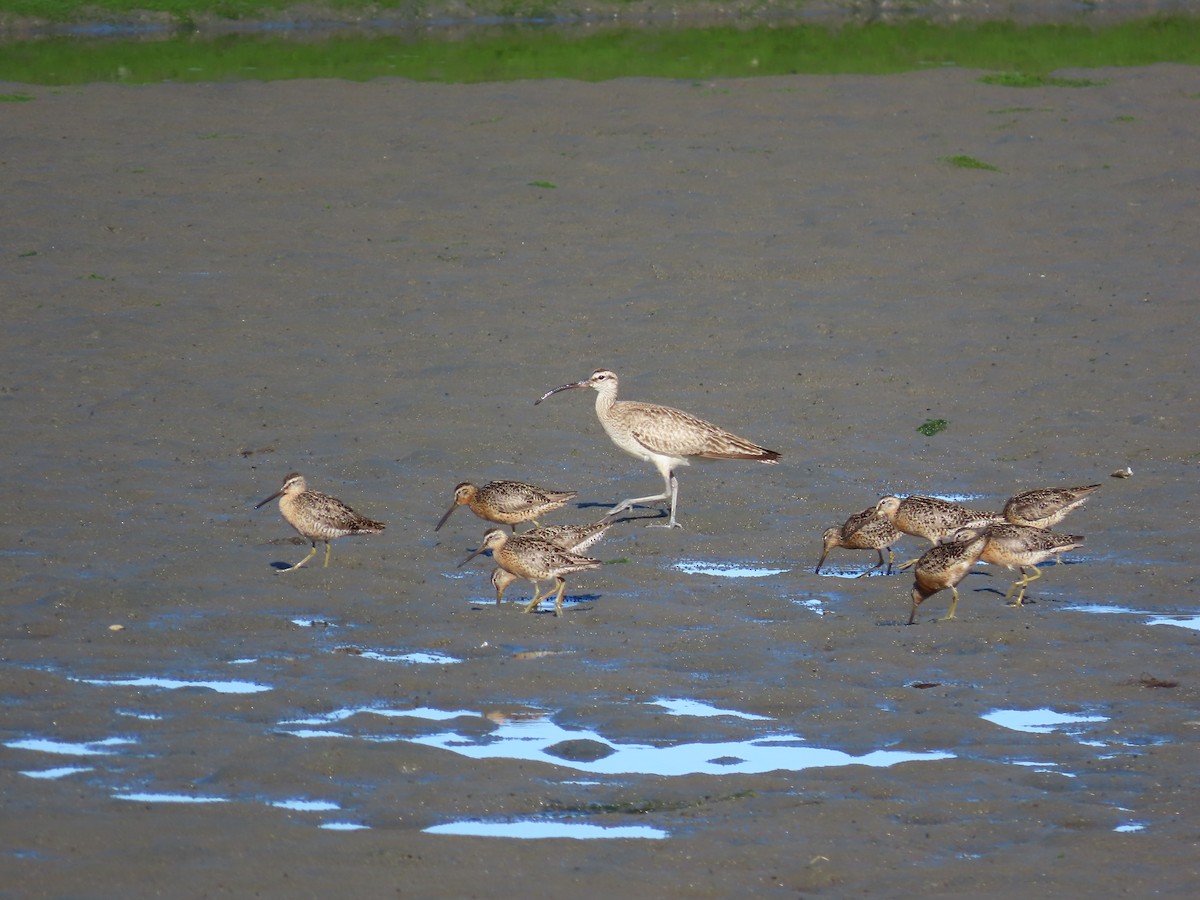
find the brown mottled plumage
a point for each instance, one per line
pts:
(1046, 507)
(1022, 547)
(573, 538)
(507, 502)
(944, 566)
(866, 530)
(534, 560)
(930, 517)
(317, 516)
(661, 435)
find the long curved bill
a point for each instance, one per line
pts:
(563, 387)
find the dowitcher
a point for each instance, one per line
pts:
(507, 502)
(317, 516)
(866, 530)
(930, 517)
(573, 538)
(534, 560)
(661, 435)
(944, 566)
(501, 579)
(1046, 507)
(1022, 547)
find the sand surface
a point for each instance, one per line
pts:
(207, 287)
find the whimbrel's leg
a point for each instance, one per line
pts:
(311, 554)
(673, 496)
(626, 505)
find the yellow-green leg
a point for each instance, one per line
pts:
(327, 548)
(562, 586)
(953, 605)
(1026, 578)
(538, 596)
(311, 554)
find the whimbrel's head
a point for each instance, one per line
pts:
(602, 380)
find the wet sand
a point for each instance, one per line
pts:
(210, 286)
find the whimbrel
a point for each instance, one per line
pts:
(661, 435)
(317, 516)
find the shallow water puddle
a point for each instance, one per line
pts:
(87, 748)
(60, 772)
(536, 738)
(1130, 827)
(1180, 620)
(843, 572)
(1038, 721)
(416, 658)
(221, 687)
(696, 708)
(298, 805)
(1192, 622)
(149, 797)
(724, 570)
(538, 830)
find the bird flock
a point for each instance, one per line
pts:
(1017, 538)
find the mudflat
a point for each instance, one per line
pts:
(210, 286)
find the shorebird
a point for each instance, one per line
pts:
(930, 517)
(1022, 547)
(501, 579)
(866, 530)
(1046, 507)
(944, 566)
(317, 516)
(534, 560)
(661, 435)
(573, 538)
(507, 502)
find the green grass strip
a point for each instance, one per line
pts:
(513, 53)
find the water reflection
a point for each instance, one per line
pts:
(536, 738)
(1038, 721)
(1192, 622)
(537, 830)
(725, 570)
(678, 707)
(87, 748)
(221, 687)
(60, 772)
(168, 798)
(298, 805)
